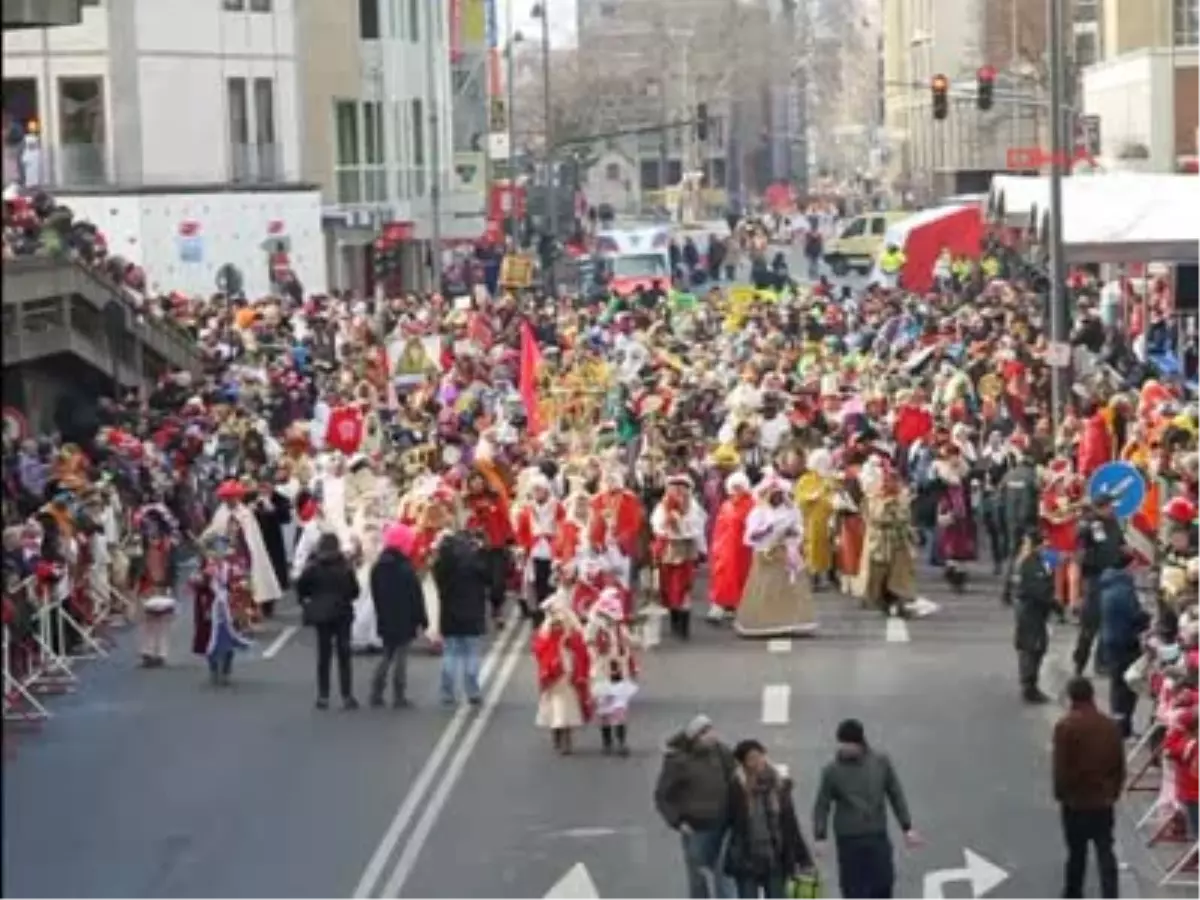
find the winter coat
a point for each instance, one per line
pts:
(398, 598)
(693, 784)
(1089, 759)
(1122, 619)
(858, 786)
(461, 575)
(1035, 603)
(792, 852)
(327, 589)
(1019, 496)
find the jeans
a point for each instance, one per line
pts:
(460, 653)
(395, 657)
(771, 887)
(704, 858)
(865, 866)
(1080, 828)
(1122, 700)
(331, 637)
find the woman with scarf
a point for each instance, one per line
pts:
(778, 597)
(766, 848)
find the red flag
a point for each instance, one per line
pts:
(531, 361)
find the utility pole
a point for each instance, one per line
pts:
(803, 74)
(435, 147)
(509, 118)
(551, 175)
(1060, 321)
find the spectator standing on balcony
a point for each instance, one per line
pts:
(31, 157)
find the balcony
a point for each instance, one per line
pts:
(44, 13)
(256, 164)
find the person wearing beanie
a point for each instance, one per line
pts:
(692, 796)
(857, 787)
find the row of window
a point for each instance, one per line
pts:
(260, 6)
(405, 16)
(361, 157)
(1186, 24)
(254, 156)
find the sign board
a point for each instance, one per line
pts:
(516, 271)
(1058, 355)
(1123, 482)
(497, 145)
(1088, 136)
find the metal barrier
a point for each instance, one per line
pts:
(49, 628)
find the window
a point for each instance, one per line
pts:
(1085, 48)
(346, 126)
(368, 20)
(855, 229)
(612, 171)
(81, 110)
(263, 6)
(1086, 11)
(376, 175)
(878, 225)
(239, 115)
(403, 173)
(608, 10)
(414, 19)
(418, 147)
(264, 111)
(1187, 23)
(234, 5)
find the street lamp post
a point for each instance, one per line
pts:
(514, 38)
(540, 11)
(1059, 315)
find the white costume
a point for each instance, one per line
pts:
(263, 583)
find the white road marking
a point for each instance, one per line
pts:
(420, 787)
(897, 631)
(776, 704)
(577, 884)
(433, 809)
(779, 645)
(276, 645)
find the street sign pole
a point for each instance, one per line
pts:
(1060, 317)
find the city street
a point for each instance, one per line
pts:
(153, 784)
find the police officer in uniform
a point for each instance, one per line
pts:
(891, 263)
(1018, 492)
(1101, 546)
(1035, 604)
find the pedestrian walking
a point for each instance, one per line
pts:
(399, 612)
(766, 846)
(1122, 624)
(1089, 772)
(326, 591)
(693, 796)
(857, 787)
(1035, 604)
(461, 573)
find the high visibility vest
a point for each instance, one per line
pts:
(990, 266)
(961, 269)
(891, 263)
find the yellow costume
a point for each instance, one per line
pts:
(814, 498)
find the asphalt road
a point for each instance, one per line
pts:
(152, 784)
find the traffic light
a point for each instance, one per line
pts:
(702, 121)
(986, 83)
(382, 261)
(941, 102)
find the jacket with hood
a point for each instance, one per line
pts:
(398, 598)
(1122, 619)
(461, 576)
(791, 853)
(693, 786)
(327, 588)
(859, 784)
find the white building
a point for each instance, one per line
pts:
(168, 98)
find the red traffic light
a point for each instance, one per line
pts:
(986, 73)
(940, 83)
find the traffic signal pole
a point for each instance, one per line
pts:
(1060, 318)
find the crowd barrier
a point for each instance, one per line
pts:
(1150, 792)
(49, 629)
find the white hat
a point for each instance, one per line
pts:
(737, 482)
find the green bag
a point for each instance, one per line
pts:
(804, 887)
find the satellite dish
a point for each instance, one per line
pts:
(229, 279)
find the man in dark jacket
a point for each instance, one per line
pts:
(399, 618)
(1089, 773)
(692, 796)
(858, 786)
(461, 574)
(1101, 546)
(327, 590)
(1019, 497)
(1035, 603)
(1122, 623)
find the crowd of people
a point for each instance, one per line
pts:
(407, 467)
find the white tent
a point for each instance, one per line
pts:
(1127, 218)
(1011, 198)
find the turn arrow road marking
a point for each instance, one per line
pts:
(982, 874)
(577, 884)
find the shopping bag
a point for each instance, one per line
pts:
(804, 886)
(1136, 675)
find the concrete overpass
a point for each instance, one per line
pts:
(44, 13)
(70, 335)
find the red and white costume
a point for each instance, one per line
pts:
(678, 528)
(563, 670)
(614, 665)
(729, 565)
(618, 519)
(1059, 518)
(536, 523)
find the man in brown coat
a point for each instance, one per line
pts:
(1089, 773)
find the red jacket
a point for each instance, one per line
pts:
(1181, 749)
(1095, 446)
(489, 514)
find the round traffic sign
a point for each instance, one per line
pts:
(1123, 483)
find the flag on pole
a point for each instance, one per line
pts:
(531, 362)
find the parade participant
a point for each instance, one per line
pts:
(730, 557)
(814, 498)
(778, 598)
(622, 516)
(850, 527)
(956, 525)
(614, 669)
(273, 513)
(233, 515)
(537, 524)
(158, 535)
(215, 634)
(572, 532)
(887, 576)
(678, 528)
(1059, 514)
(332, 489)
(723, 462)
(488, 516)
(1035, 603)
(560, 652)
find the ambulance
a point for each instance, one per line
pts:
(632, 258)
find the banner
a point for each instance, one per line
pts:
(472, 25)
(455, 29)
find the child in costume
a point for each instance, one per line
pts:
(216, 636)
(613, 667)
(158, 536)
(561, 653)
